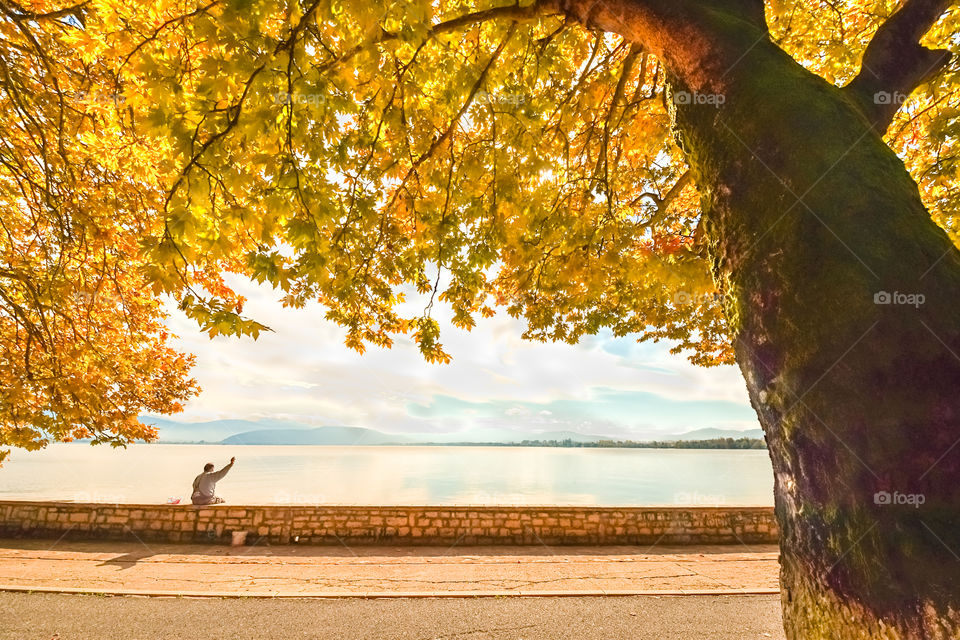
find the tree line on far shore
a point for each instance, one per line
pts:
(712, 443)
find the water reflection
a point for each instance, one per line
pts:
(395, 475)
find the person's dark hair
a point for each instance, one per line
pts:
(208, 466)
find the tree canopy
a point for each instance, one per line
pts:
(483, 154)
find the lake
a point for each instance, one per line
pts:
(150, 473)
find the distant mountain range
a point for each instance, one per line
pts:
(317, 435)
(285, 432)
(214, 431)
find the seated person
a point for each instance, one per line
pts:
(205, 484)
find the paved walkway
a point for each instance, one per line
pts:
(51, 616)
(297, 571)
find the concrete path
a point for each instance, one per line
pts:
(75, 617)
(299, 571)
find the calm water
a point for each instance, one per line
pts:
(394, 475)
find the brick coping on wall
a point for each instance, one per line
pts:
(391, 524)
(351, 505)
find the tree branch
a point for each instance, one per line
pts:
(895, 63)
(685, 35)
(514, 12)
(456, 118)
(662, 203)
(18, 13)
(752, 11)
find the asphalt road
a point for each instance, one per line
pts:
(32, 616)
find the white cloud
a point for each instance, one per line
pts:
(302, 371)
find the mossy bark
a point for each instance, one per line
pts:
(809, 217)
(823, 249)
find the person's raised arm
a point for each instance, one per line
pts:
(219, 474)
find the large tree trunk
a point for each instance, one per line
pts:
(823, 249)
(809, 218)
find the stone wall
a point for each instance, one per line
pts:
(400, 525)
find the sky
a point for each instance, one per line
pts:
(302, 372)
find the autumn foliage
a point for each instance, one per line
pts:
(483, 154)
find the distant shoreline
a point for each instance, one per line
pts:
(713, 443)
